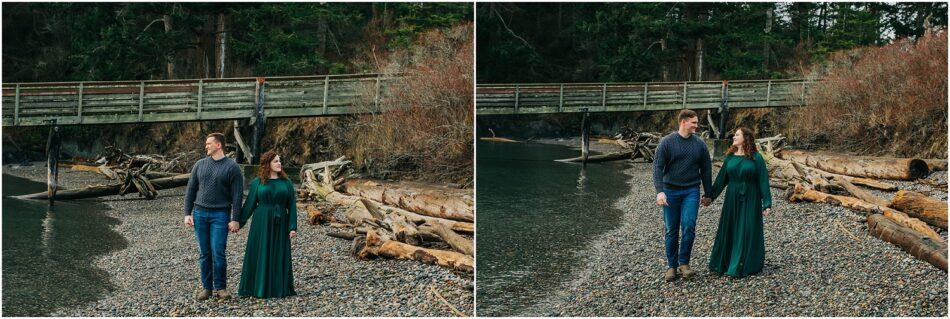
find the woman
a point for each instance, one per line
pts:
(271, 201)
(739, 249)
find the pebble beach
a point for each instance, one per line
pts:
(158, 275)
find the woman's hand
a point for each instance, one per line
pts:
(293, 233)
(766, 212)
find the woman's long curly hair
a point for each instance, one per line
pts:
(748, 143)
(263, 171)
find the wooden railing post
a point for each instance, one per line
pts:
(768, 94)
(79, 113)
(141, 99)
(201, 86)
(684, 94)
(326, 90)
(16, 106)
(803, 92)
(645, 92)
(376, 98)
(560, 103)
(603, 98)
(517, 93)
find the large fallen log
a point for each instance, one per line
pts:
(860, 166)
(356, 212)
(381, 245)
(616, 156)
(801, 193)
(910, 241)
(454, 240)
(936, 164)
(783, 169)
(107, 190)
(918, 205)
(438, 202)
(860, 193)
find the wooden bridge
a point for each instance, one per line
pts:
(82, 103)
(547, 98)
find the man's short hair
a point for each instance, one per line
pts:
(218, 137)
(686, 114)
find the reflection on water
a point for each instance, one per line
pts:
(534, 215)
(48, 251)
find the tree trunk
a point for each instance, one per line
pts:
(783, 169)
(801, 193)
(664, 69)
(454, 204)
(222, 44)
(170, 63)
(910, 241)
(379, 245)
(699, 59)
(768, 30)
(915, 204)
(872, 167)
(457, 242)
(616, 156)
(106, 190)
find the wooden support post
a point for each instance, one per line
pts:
(517, 93)
(201, 86)
(52, 160)
(560, 103)
(684, 94)
(141, 99)
(258, 121)
(376, 98)
(603, 98)
(768, 94)
(326, 90)
(803, 93)
(645, 92)
(79, 113)
(724, 110)
(585, 137)
(245, 151)
(16, 106)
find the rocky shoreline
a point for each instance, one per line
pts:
(820, 261)
(157, 274)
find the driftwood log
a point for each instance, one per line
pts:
(438, 202)
(913, 242)
(615, 156)
(456, 241)
(861, 166)
(107, 190)
(785, 170)
(936, 164)
(801, 193)
(918, 205)
(381, 245)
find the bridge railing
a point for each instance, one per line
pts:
(189, 100)
(649, 96)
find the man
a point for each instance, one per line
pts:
(680, 164)
(212, 207)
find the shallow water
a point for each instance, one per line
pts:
(534, 215)
(49, 251)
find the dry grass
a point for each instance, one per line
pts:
(889, 100)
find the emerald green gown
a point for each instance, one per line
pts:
(739, 249)
(268, 272)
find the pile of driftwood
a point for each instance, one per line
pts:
(397, 220)
(636, 145)
(908, 221)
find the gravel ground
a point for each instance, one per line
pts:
(820, 261)
(158, 275)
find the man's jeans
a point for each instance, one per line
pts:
(680, 214)
(211, 229)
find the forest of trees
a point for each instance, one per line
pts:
(592, 42)
(140, 41)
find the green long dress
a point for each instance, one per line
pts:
(739, 249)
(268, 272)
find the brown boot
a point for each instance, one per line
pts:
(670, 275)
(685, 271)
(203, 294)
(223, 294)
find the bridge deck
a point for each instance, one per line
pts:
(508, 99)
(28, 104)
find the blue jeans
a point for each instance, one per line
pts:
(680, 214)
(211, 229)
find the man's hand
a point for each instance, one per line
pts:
(766, 212)
(189, 221)
(661, 199)
(705, 201)
(293, 233)
(234, 226)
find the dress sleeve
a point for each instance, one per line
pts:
(292, 206)
(722, 179)
(764, 187)
(248, 209)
